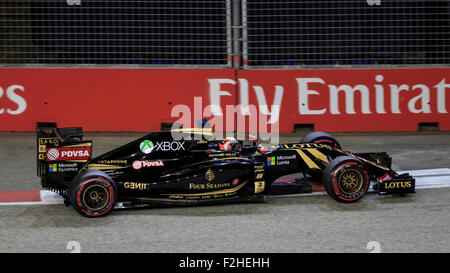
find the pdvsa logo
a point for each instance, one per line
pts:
(78, 153)
(142, 164)
(12, 94)
(52, 154)
(65, 153)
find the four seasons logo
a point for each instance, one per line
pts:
(209, 175)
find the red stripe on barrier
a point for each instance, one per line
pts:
(333, 100)
(19, 196)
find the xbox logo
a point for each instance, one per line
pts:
(146, 146)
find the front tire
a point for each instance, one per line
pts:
(92, 194)
(346, 179)
(322, 138)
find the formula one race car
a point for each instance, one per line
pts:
(158, 169)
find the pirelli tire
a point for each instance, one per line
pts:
(346, 179)
(92, 194)
(322, 138)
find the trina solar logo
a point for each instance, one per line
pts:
(72, 153)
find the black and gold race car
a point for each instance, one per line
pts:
(185, 166)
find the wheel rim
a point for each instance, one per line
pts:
(95, 197)
(350, 182)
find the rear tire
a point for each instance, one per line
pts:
(346, 179)
(322, 138)
(92, 194)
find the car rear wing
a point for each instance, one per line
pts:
(66, 144)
